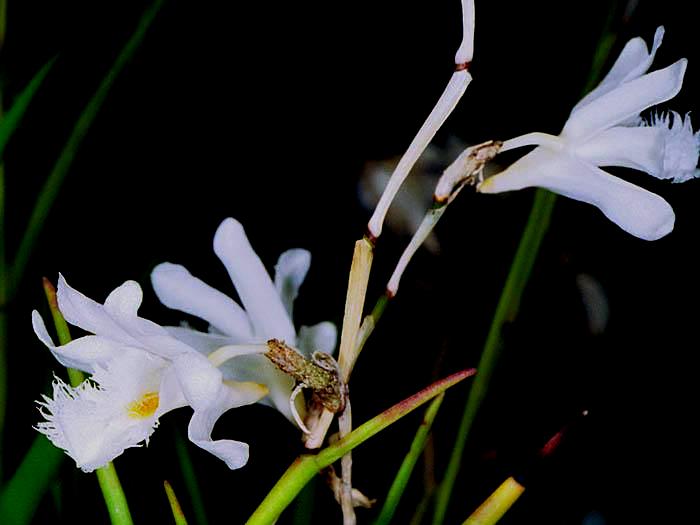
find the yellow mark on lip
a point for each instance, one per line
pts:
(145, 406)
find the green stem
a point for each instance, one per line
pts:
(113, 494)
(403, 475)
(305, 467)
(509, 302)
(506, 311)
(48, 193)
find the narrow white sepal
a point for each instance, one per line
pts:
(253, 284)
(178, 289)
(290, 272)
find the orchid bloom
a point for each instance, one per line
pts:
(267, 315)
(604, 129)
(139, 372)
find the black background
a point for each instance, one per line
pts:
(268, 113)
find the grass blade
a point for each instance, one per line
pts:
(22, 494)
(404, 474)
(178, 515)
(11, 119)
(48, 193)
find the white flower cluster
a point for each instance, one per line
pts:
(141, 370)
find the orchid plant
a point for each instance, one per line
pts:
(250, 349)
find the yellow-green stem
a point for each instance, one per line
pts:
(497, 504)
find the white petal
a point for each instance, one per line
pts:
(233, 453)
(89, 315)
(125, 300)
(638, 148)
(178, 289)
(122, 306)
(634, 61)
(199, 379)
(682, 146)
(253, 284)
(635, 210)
(628, 100)
(290, 271)
(97, 421)
(83, 353)
(321, 337)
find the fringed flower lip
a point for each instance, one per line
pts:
(605, 129)
(139, 372)
(266, 312)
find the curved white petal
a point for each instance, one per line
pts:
(89, 315)
(321, 337)
(634, 60)
(626, 101)
(83, 353)
(178, 289)
(125, 300)
(290, 271)
(233, 453)
(253, 284)
(640, 148)
(199, 379)
(635, 210)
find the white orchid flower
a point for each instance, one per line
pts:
(139, 372)
(267, 315)
(604, 129)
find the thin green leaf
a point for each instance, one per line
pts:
(404, 474)
(22, 494)
(305, 467)
(48, 193)
(11, 119)
(178, 515)
(190, 478)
